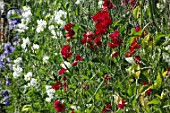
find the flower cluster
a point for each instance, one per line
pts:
(50, 92)
(17, 68)
(58, 15)
(116, 42)
(58, 106)
(103, 21)
(13, 21)
(41, 25)
(65, 51)
(6, 97)
(70, 34)
(26, 18)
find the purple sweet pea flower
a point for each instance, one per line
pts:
(7, 102)
(13, 23)
(8, 48)
(8, 81)
(16, 38)
(2, 64)
(6, 97)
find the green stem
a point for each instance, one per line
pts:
(152, 15)
(96, 90)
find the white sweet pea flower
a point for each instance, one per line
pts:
(25, 42)
(57, 17)
(18, 61)
(48, 99)
(51, 27)
(26, 14)
(41, 25)
(48, 87)
(35, 47)
(79, 1)
(45, 59)
(66, 65)
(33, 82)
(100, 3)
(28, 76)
(50, 92)
(17, 71)
(21, 27)
(129, 60)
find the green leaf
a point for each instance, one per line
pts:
(98, 95)
(154, 101)
(116, 23)
(158, 82)
(90, 110)
(159, 39)
(136, 12)
(119, 111)
(131, 90)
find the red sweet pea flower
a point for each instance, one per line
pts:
(64, 78)
(109, 4)
(132, 2)
(62, 71)
(137, 59)
(138, 28)
(70, 33)
(65, 51)
(103, 21)
(68, 26)
(107, 108)
(56, 86)
(78, 57)
(112, 45)
(122, 104)
(106, 77)
(146, 83)
(100, 31)
(97, 41)
(115, 40)
(149, 91)
(144, 33)
(65, 86)
(115, 54)
(74, 63)
(114, 34)
(59, 107)
(88, 37)
(135, 44)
